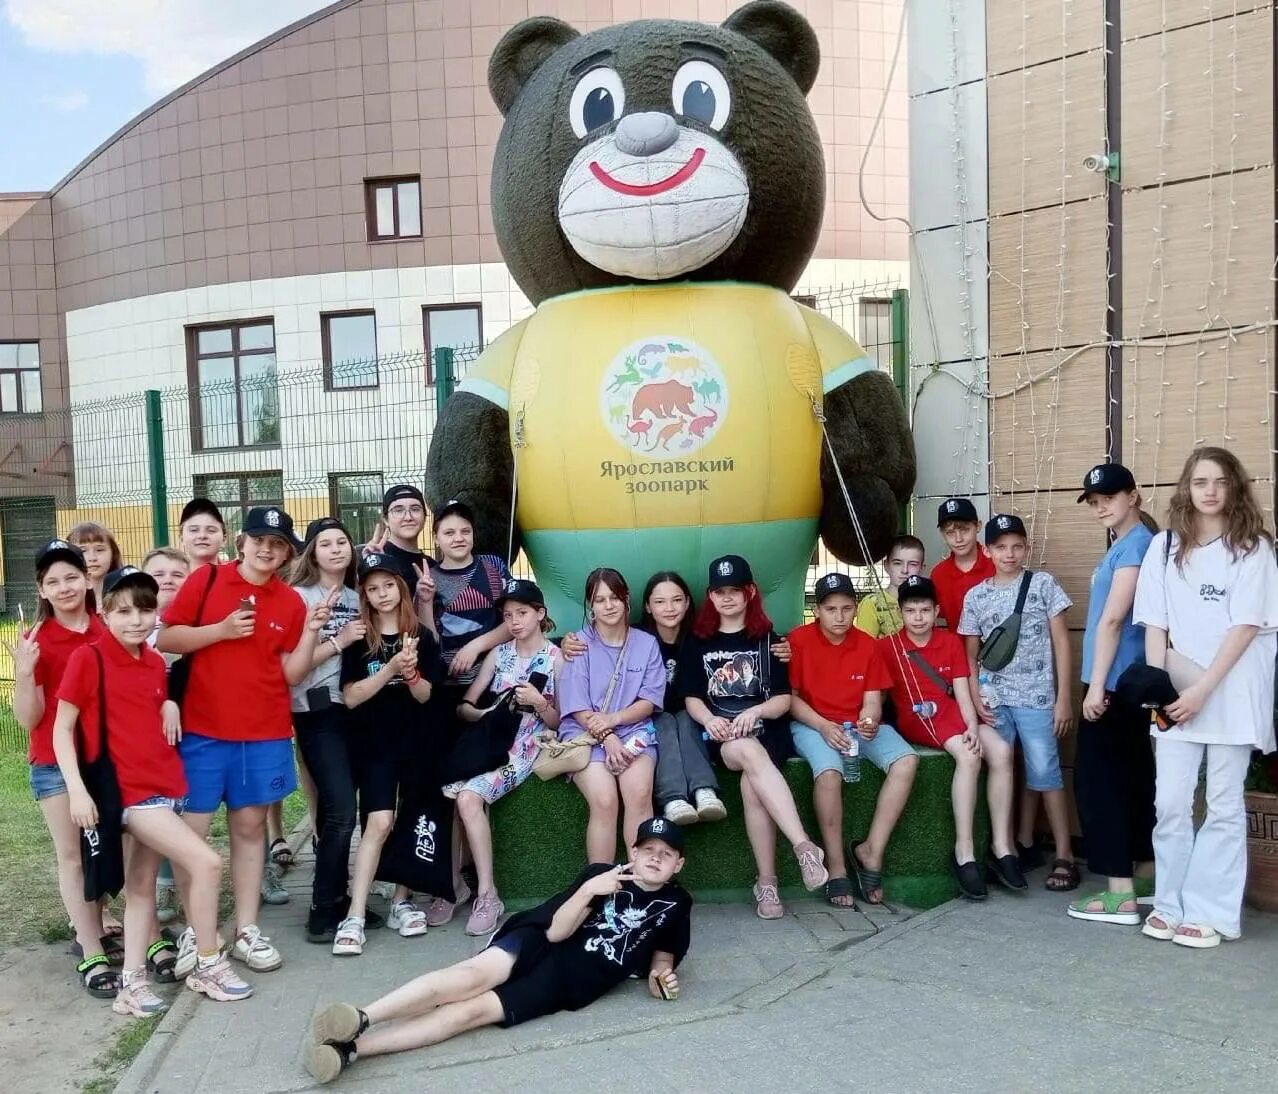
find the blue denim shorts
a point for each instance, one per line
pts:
(1035, 728)
(47, 781)
(240, 773)
(883, 751)
(178, 805)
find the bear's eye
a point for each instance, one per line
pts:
(597, 100)
(701, 93)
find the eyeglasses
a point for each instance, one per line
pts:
(406, 511)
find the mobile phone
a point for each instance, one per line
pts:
(247, 605)
(537, 681)
(318, 698)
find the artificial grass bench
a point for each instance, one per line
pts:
(539, 837)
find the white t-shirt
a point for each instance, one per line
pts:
(346, 609)
(1197, 606)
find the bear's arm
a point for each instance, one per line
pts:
(470, 456)
(872, 444)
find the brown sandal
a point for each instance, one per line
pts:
(1064, 878)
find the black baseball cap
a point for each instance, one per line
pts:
(956, 509)
(1107, 479)
(916, 587)
(1004, 524)
(374, 561)
(398, 493)
(521, 591)
(729, 570)
(454, 507)
(325, 524)
(59, 550)
(1143, 684)
(196, 506)
(833, 584)
(660, 828)
(127, 576)
(270, 520)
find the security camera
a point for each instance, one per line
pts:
(1100, 164)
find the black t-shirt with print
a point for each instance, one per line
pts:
(671, 656)
(384, 719)
(620, 934)
(726, 671)
(404, 560)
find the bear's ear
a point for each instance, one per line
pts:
(782, 32)
(522, 50)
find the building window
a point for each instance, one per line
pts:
(235, 495)
(350, 349)
(355, 498)
(393, 208)
(235, 401)
(458, 327)
(20, 378)
(876, 330)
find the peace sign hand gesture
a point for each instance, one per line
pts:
(609, 882)
(377, 542)
(25, 652)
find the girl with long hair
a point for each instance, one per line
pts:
(325, 573)
(1208, 598)
(1114, 773)
(745, 721)
(101, 552)
(386, 679)
(66, 619)
(611, 693)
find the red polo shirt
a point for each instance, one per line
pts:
(57, 644)
(146, 765)
(237, 690)
(947, 655)
(832, 679)
(952, 584)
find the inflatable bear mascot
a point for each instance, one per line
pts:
(657, 191)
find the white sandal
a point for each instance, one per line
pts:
(349, 939)
(1205, 939)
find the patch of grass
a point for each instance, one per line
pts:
(119, 1054)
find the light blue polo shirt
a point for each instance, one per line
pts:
(1128, 551)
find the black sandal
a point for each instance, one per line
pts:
(1066, 876)
(161, 960)
(281, 852)
(100, 980)
(839, 886)
(866, 880)
(970, 883)
(112, 949)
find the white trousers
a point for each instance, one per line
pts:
(1199, 878)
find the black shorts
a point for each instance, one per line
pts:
(533, 988)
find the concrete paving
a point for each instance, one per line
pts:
(1009, 995)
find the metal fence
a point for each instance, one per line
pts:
(319, 438)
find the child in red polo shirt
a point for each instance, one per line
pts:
(252, 640)
(121, 676)
(966, 565)
(931, 688)
(837, 678)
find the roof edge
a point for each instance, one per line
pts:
(23, 195)
(208, 74)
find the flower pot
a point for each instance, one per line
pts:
(1262, 851)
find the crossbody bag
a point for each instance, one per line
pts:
(999, 648)
(556, 757)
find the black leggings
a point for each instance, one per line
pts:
(324, 740)
(1114, 787)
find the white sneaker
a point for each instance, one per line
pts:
(187, 954)
(349, 940)
(680, 812)
(709, 805)
(255, 950)
(407, 918)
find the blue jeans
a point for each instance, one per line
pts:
(1035, 727)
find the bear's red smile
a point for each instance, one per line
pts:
(652, 188)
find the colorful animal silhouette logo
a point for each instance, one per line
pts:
(664, 397)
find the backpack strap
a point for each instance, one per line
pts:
(931, 673)
(1023, 592)
(204, 597)
(765, 666)
(102, 715)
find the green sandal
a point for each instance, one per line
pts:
(1110, 903)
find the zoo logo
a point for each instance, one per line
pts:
(663, 395)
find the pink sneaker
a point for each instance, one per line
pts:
(484, 916)
(441, 911)
(219, 982)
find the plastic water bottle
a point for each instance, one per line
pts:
(925, 709)
(851, 755)
(989, 696)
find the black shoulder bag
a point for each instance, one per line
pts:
(101, 847)
(999, 648)
(180, 670)
(945, 685)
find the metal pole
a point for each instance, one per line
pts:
(443, 376)
(901, 373)
(155, 460)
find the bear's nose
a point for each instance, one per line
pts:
(646, 133)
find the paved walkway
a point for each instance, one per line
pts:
(1006, 996)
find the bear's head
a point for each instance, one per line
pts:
(657, 150)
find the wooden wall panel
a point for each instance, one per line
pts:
(1065, 539)
(1052, 431)
(1151, 16)
(1212, 72)
(1048, 278)
(1028, 32)
(1043, 121)
(1176, 397)
(1213, 267)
